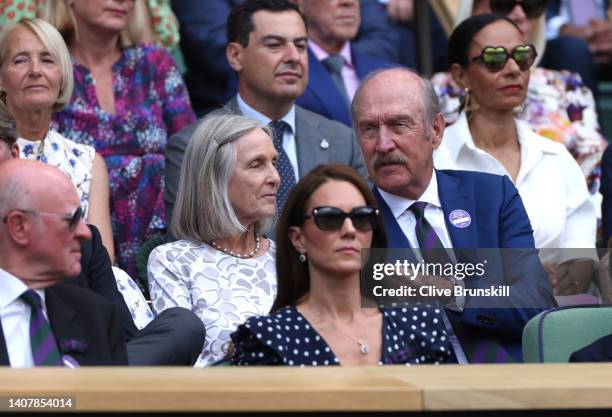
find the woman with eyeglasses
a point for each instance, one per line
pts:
(558, 105)
(319, 316)
(491, 59)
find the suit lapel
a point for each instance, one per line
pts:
(4, 358)
(310, 151)
(63, 320)
(323, 88)
(455, 195)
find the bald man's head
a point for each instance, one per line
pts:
(42, 227)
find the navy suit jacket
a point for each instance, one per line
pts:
(85, 325)
(498, 220)
(321, 95)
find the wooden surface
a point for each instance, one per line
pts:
(216, 389)
(389, 388)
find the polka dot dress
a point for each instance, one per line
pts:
(410, 336)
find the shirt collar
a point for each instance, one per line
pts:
(249, 111)
(11, 289)
(321, 54)
(460, 137)
(399, 205)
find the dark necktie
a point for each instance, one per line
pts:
(42, 340)
(431, 246)
(478, 349)
(334, 64)
(283, 165)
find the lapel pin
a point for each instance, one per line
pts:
(70, 362)
(460, 218)
(324, 144)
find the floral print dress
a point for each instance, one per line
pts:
(151, 104)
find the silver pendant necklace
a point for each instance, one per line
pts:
(363, 348)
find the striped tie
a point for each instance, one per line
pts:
(44, 345)
(477, 347)
(283, 165)
(431, 246)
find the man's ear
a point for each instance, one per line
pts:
(458, 73)
(19, 227)
(15, 151)
(297, 239)
(437, 130)
(234, 52)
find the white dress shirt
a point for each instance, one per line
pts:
(15, 317)
(433, 213)
(550, 183)
(289, 144)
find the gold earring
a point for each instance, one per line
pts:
(469, 103)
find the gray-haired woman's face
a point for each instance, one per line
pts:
(255, 181)
(30, 75)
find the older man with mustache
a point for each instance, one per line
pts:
(268, 49)
(442, 214)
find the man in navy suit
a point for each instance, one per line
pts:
(44, 321)
(335, 67)
(398, 123)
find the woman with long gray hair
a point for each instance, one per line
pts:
(222, 267)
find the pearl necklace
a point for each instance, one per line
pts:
(363, 348)
(236, 254)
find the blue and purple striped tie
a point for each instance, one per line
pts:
(44, 345)
(478, 349)
(431, 246)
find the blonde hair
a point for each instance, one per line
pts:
(55, 45)
(59, 14)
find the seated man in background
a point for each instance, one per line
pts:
(45, 322)
(8, 135)
(267, 47)
(335, 67)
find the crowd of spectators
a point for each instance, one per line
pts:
(273, 150)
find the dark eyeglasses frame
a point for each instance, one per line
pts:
(358, 213)
(491, 66)
(73, 218)
(532, 8)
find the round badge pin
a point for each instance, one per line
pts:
(460, 218)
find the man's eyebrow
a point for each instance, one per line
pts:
(280, 38)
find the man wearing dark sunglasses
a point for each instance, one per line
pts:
(399, 125)
(44, 321)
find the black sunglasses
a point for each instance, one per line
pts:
(73, 218)
(495, 57)
(332, 218)
(532, 8)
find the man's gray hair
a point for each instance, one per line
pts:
(430, 102)
(203, 210)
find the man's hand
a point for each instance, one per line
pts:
(401, 11)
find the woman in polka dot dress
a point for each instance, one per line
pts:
(318, 316)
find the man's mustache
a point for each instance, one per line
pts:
(388, 159)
